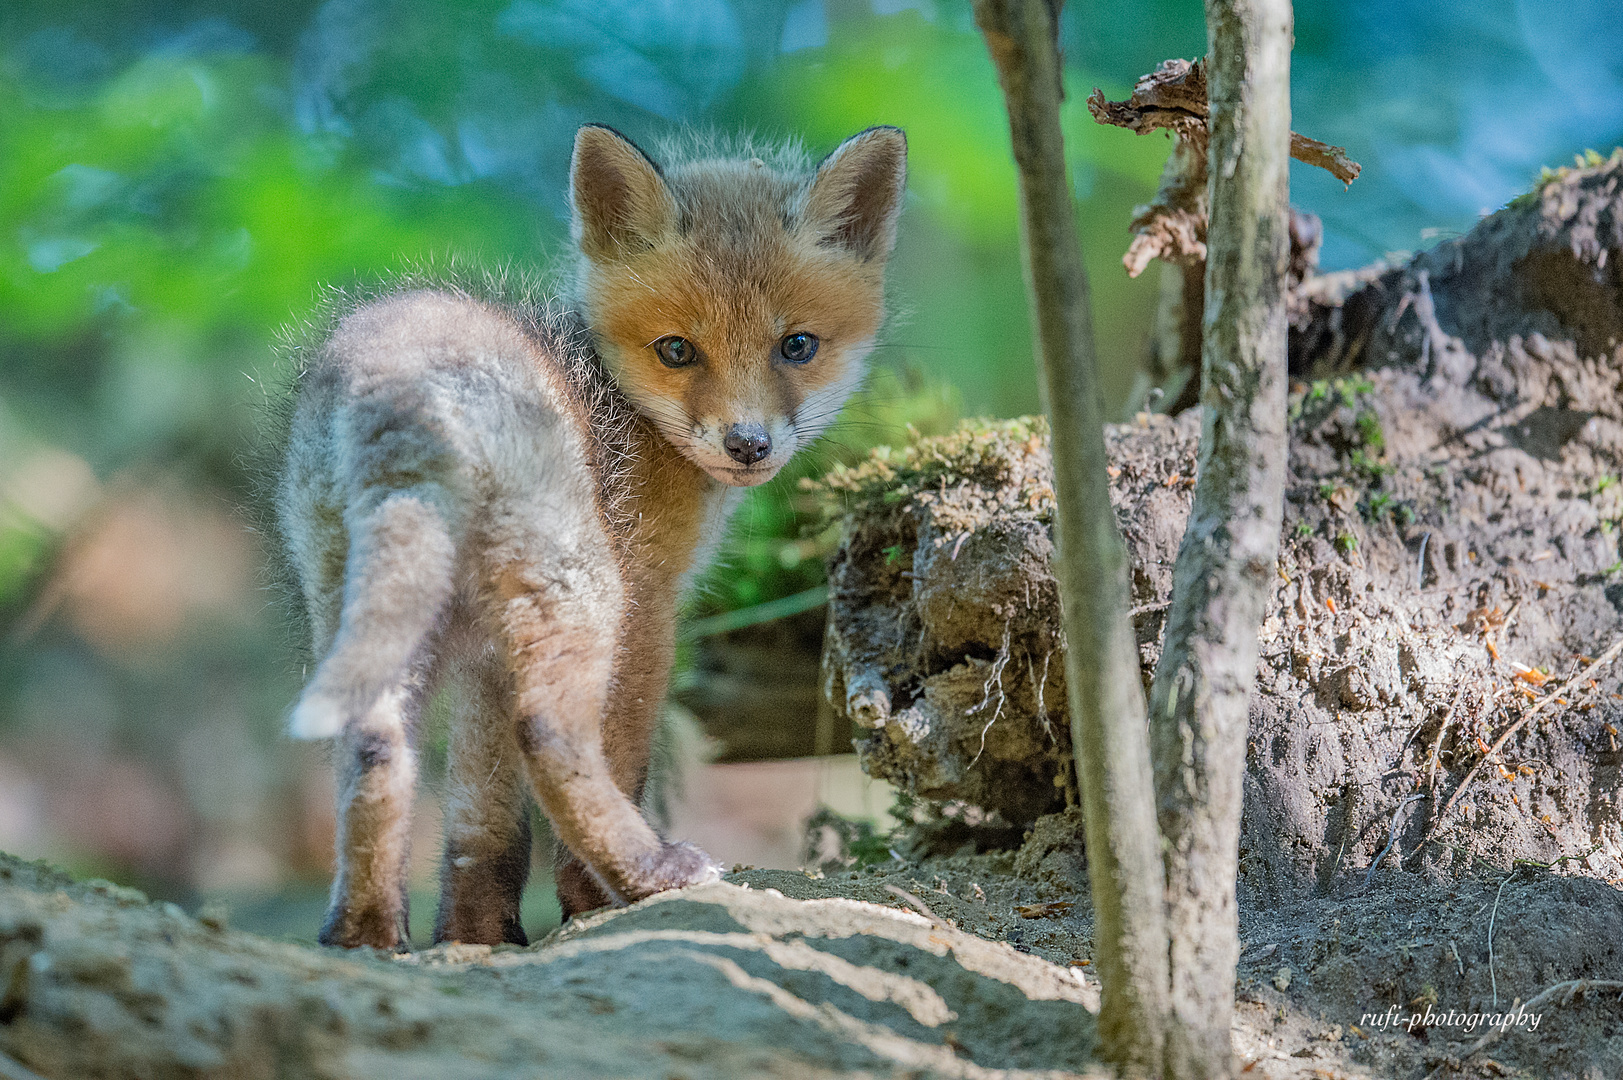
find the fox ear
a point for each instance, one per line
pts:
(620, 201)
(857, 193)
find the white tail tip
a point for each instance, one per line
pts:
(316, 717)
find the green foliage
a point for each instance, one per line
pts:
(1346, 543)
(175, 194)
(1369, 429)
(836, 842)
(1344, 407)
(1372, 469)
(24, 549)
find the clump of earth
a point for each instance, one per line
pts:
(1450, 560)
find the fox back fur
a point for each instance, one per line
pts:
(513, 497)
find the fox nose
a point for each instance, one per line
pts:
(747, 443)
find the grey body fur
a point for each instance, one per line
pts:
(429, 459)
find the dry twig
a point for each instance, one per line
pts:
(1493, 976)
(919, 906)
(1560, 692)
(1332, 159)
(1392, 837)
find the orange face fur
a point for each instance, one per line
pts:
(745, 263)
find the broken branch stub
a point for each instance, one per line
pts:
(1332, 159)
(1173, 98)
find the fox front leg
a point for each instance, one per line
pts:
(646, 650)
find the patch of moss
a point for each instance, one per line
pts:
(991, 453)
(1589, 159)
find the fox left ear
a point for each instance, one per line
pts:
(857, 194)
(620, 201)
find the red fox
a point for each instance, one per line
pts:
(515, 496)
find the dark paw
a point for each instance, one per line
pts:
(676, 866)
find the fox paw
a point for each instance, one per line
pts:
(353, 929)
(676, 866)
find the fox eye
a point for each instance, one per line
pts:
(798, 348)
(676, 351)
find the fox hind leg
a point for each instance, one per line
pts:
(487, 816)
(368, 691)
(377, 780)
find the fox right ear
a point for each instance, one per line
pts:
(620, 201)
(857, 194)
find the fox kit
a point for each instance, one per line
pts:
(514, 497)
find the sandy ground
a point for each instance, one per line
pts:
(980, 970)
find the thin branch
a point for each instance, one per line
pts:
(1225, 569)
(1565, 688)
(1102, 668)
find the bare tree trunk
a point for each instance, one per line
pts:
(1107, 704)
(1226, 564)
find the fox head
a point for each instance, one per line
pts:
(734, 301)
